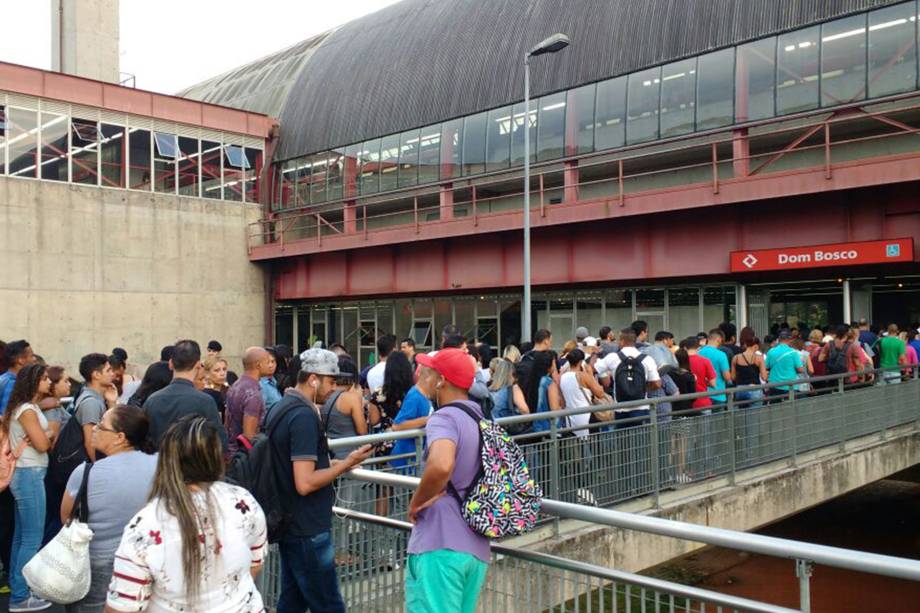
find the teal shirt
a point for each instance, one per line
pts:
(719, 362)
(784, 363)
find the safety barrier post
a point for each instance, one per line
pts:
(795, 426)
(842, 414)
(554, 485)
(803, 570)
(653, 450)
(732, 435)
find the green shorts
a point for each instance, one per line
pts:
(444, 581)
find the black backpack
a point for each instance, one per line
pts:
(253, 468)
(837, 359)
(68, 453)
(629, 378)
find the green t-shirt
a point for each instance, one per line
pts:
(890, 348)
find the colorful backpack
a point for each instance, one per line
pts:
(503, 499)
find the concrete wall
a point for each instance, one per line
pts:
(87, 269)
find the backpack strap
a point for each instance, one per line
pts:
(451, 489)
(276, 418)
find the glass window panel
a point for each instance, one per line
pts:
(797, 71)
(642, 105)
(498, 139)
(517, 136)
(551, 127)
(113, 147)
(210, 174)
(579, 134)
(755, 78)
(54, 147)
(389, 162)
(892, 50)
(189, 158)
(284, 326)
(139, 158)
(235, 157)
(451, 148)
(718, 306)
(408, 158)
(304, 168)
(84, 151)
(166, 149)
(678, 97)
(253, 173)
(370, 167)
(233, 173)
(429, 155)
(715, 89)
(618, 309)
(843, 60)
(649, 300)
(683, 312)
(318, 175)
(22, 131)
(610, 114)
(589, 312)
(464, 318)
(474, 144)
(166, 144)
(2, 139)
(334, 172)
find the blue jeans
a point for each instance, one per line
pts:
(28, 487)
(308, 577)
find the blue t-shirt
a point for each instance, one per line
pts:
(916, 345)
(543, 425)
(784, 363)
(414, 405)
(7, 381)
(719, 363)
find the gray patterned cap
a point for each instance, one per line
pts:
(319, 362)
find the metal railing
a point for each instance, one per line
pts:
(608, 462)
(617, 174)
(371, 543)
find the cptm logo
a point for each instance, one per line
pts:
(749, 260)
(893, 250)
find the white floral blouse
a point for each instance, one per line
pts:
(148, 574)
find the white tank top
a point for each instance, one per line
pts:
(575, 398)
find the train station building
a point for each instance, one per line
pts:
(744, 160)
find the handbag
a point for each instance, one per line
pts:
(60, 571)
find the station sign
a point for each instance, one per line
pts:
(838, 254)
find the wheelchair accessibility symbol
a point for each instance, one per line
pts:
(892, 251)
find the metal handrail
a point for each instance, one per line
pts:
(640, 150)
(870, 563)
(618, 406)
(608, 574)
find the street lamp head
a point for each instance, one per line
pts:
(556, 42)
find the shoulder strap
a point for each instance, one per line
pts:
(271, 424)
(451, 489)
(80, 511)
(328, 407)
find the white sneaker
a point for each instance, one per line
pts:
(31, 603)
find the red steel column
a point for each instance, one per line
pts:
(570, 181)
(741, 151)
(447, 201)
(350, 217)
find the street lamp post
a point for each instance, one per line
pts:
(556, 42)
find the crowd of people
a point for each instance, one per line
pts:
(171, 535)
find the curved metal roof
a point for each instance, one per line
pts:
(419, 62)
(260, 86)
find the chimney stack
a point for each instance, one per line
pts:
(84, 38)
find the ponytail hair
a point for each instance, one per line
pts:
(190, 454)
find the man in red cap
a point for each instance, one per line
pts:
(447, 560)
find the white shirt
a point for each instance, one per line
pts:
(148, 564)
(575, 398)
(608, 366)
(375, 376)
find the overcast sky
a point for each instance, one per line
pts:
(170, 44)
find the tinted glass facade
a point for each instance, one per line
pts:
(863, 56)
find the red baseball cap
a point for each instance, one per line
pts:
(454, 365)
